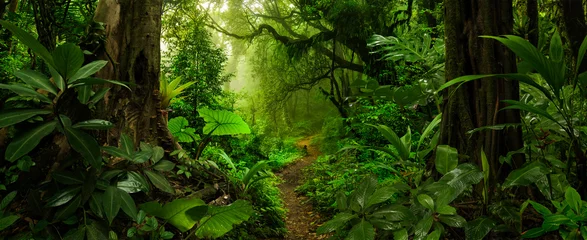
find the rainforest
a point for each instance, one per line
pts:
(293, 119)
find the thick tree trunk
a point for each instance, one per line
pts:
(45, 22)
(477, 104)
(133, 30)
(575, 26)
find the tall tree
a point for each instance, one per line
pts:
(478, 103)
(575, 26)
(133, 30)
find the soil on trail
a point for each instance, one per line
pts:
(301, 220)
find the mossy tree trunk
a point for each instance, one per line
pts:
(478, 103)
(133, 31)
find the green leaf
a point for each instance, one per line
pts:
(94, 124)
(434, 235)
(395, 141)
(36, 80)
(581, 55)
(116, 152)
(95, 231)
(556, 48)
(341, 201)
(426, 201)
(111, 203)
(98, 95)
(446, 210)
(157, 155)
(360, 196)
(26, 92)
(222, 122)
(96, 204)
(179, 128)
(159, 181)
(384, 224)
(533, 233)
(97, 81)
(164, 166)
(69, 209)
(127, 204)
(258, 167)
(68, 59)
(394, 212)
(544, 211)
(522, 106)
(11, 117)
(337, 222)
(58, 79)
(573, 198)
(221, 219)
(362, 231)
(380, 195)
(453, 220)
(526, 175)
(423, 227)
(127, 144)
(75, 234)
(460, 178)
(7, 199)
(479, 228)
(429, 129)
(176, 212)
(88, 70)
(446, 159)
(400, 234)
(86, 145)
(63, 197)
(26, 142)
(30, 41)
(84, 93)
(7, 221)
(141, 157)
(554, 222)
(69, 178)
(135, 182)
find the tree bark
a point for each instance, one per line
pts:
(533, 30)
(477, 104)
(575, 26)
(133, 31)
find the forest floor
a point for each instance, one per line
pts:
(301, 220)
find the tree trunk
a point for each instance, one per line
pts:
(533, 30)
(133, 31)
(45, 22)
(477, 104)
(575, 26)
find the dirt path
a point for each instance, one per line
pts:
(300, 220)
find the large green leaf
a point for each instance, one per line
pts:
(94, 124)
(479, 228)
(380, 195)
(400, 234)
(453, 220)
(36, 80)
(84, 93)
(362, 231)
(98, 81)
(127, 144)
(30, 41)
(222, 122)
(556, 48)
(69, 209)
(69, 178)
(461, 177)
(522, 106)
(447, 159)
(63, 196)
(175, 212)
(25, 92)
(111, 203)
(84, 144)
(88, 70)
(581, 54)
(11, 117)
(220, 220)
(429, 129)
(95, 231)
(394, 212)
(360, 196)
(426, 201)
(573, 199)
(7, 199)
(395, 141)
(7, 221)
(58, 79)
(127, 204)
(179, 128)
(526, 175)
(68, 59)
(26, 142)
(423, 227)
(534, 233)
(337, 222)
(159, 181)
